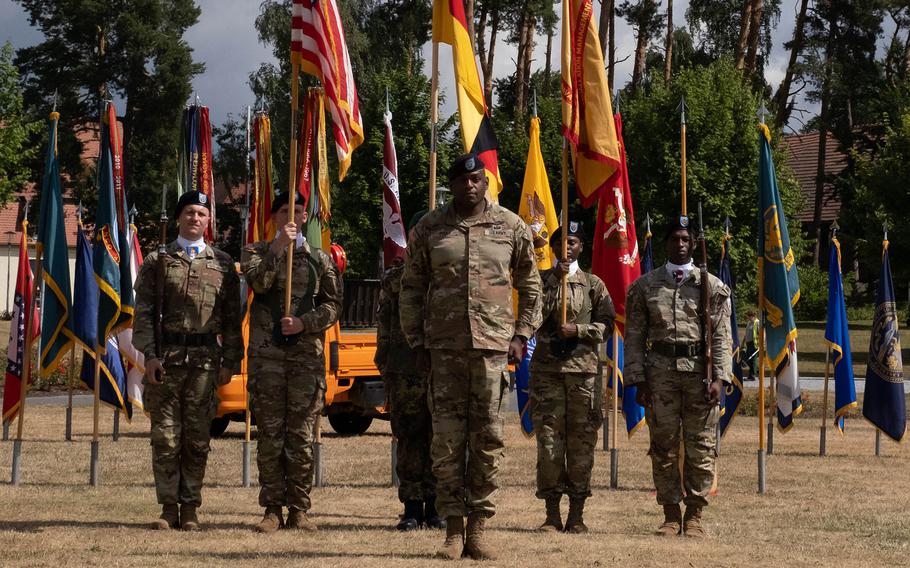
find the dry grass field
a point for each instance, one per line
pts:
(848, 509)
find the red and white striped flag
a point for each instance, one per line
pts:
(318, 45)
(394, 241)
(133, 360)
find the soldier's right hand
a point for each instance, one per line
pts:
(643, 395)
(286, 236)
(562, 266)
(154, 370)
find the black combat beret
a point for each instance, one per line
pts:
(465, 164)
(679, 223)
(284, 199)
(192, 198)
(576, 229)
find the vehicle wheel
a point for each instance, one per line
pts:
(219, 425)
(349, 423)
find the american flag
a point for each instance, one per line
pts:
(318, 46)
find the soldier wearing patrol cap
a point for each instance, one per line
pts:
(664, 358)
(456, 312)
(201, 348)
(287, 363)
(565, 408)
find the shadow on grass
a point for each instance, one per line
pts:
(283, 557)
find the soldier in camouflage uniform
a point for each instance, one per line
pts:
(456, 310)
(664, 358)
(406, 393)
(201, 346)
(286, 363)
(565, 408)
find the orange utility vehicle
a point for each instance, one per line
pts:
(354, 391)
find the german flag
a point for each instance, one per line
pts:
(450, 26)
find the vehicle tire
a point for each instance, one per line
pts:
(219, 425)
(350, 423)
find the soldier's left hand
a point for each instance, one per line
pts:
(291, 325)
(713, 392)
(568, 330)
(516, 350)
(224, 376)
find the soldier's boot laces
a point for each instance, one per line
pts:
(298, 519)
(672, 521)
(692, 522)
(412, 516)
(475, 544)
(271, 520)
(169, 519)
(431, 517)
(553, 522)
(188, 519)
(453, 547)
(575, 522)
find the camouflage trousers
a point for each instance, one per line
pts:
(465, 398)
(413, 429)
(566, 415)
(678, 404)
(286, 396)
(181, 408)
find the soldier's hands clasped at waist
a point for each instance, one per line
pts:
(286, 236)
(154, 370)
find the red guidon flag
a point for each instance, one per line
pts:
(394, 241)
(587, 112)
(17, 365)
(205, 177)
(450, 26)
(318, 45)
(615, 257)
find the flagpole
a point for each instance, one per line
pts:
(434, 119)
(822, 433)
(292, 181)
(94, 473)
(564, 234)
(26, 358)
(761, 378)
(246, 233)
(682, 135)
(878, 432)
(69, 394)
(614, 426)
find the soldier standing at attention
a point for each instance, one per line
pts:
(565, 407)
(286, 362)
(456, 311)
(201, 346)
(406, 392)
(664, 358)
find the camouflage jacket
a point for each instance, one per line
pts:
(201, 296)
(456, 292)
(393, 354)
(589, 307)
(266, 274)
(660, 312)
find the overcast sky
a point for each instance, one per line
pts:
(225, 40)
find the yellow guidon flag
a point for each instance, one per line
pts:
(450, 26)
(536, 204)
(587, 111)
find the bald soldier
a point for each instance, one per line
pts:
(200, 348)
(464, 259)
(664, 357)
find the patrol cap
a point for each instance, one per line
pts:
(465, 164)
(284, 199)
(415, 218)
(576, 229)
(192, 198)
(679, 223)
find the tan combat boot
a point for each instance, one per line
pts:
(169, 519)
(575, 522)
(188, 519)
(553, 522)
(474, 544)
(297, 519)
(692, 522)
(672, 521)
(271, 520)
(453, 547)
